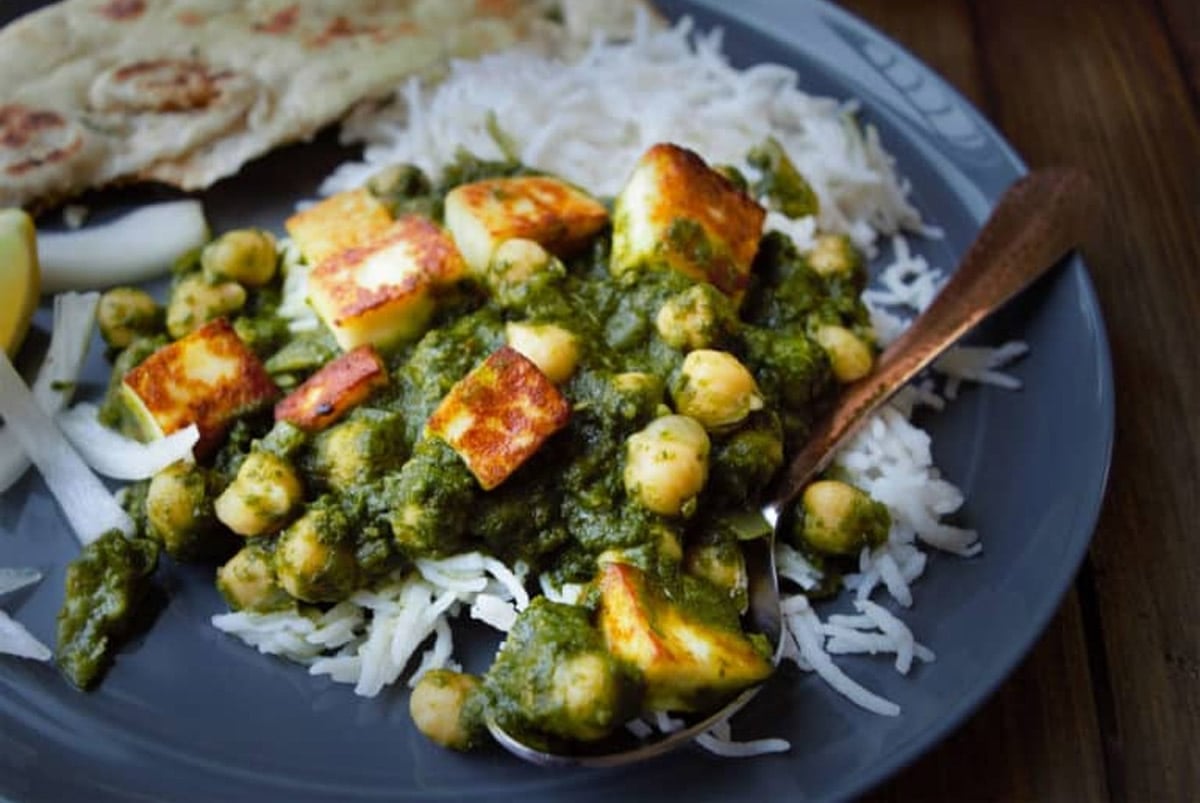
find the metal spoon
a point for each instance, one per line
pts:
(1036, 222)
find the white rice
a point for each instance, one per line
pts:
(588, 122)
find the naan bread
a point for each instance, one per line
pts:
(187, 91)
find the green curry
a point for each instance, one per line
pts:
(377, 492)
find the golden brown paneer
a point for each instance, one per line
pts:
(484, 214)
(382, 292)
(686, 662)
(498, 415)
(676, 212)
(207, 378)
(345, 220)
(336, 389)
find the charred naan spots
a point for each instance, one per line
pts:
(35, 138)
(281, 22)
(120, 10)
(166, 85)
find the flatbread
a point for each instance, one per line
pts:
(187, 91)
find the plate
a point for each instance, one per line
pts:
(187, 713)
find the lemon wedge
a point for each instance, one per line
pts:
(20, 281)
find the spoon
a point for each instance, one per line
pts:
(1036, 222)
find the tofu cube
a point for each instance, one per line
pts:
(382, 292)
(341, 221)
(686, 664)
(333, 391)
(556, 215)
(498, 415)
(207, 378)
(677, 213)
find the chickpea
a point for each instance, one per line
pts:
(849, 356)
(697, 318)
(194, 302)
(840, 519)
(262, 496)
(440, 708)
(666, 464)
(715, 389)
(516, 260)
(721, 564)
(834, 254)
(309, 567)
(342, 454)
(398, 182)
(179, 511)
(247, 256)
(126, 313)
(551, 348)
(247, 581)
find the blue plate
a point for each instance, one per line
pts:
(188, 714)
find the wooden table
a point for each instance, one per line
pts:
(1107, 706)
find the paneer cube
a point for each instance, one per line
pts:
(382, 292)
(333, 391)
(345, 220)
(484, 214)
(207, 378)
(686, 663)
(677, 213)
(498, 415)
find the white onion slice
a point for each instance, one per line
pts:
(16, 640)
(89, 507)
(74, 315)
(133, 248)
(15, 579)
(112, 454)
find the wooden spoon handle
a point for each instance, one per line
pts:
(1037, 221)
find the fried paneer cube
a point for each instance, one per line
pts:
(207, 378)
(677, 213)
(484, 214)
(499, 415)
(336, 389)
(345, 220)
(686, 663)
(383, 291)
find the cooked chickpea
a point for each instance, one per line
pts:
(440, 710)
(694, 319)
(247, 581)
(721, 564)
(247, 256)
(551, 348)
(834, 254)
(194, 302)
(126, 313)
(309, 566)
(262, 496)
(715, 389)
(178, 508)
(849, 356)
(840, 519)
(342, 455)
(516, 260)
(666, 464)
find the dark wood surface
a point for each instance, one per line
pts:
(1107, 706)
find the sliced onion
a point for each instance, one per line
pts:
(88, 505)
(112, 454)
(74, 316)
(133, 248)
(16, 640)
(16, 579)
